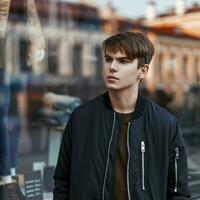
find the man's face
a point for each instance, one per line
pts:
(119, 71)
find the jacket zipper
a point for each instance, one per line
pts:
(176, 168)
(107, 162)
(128, 162)
(143, 152)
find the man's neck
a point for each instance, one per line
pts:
(123, 101)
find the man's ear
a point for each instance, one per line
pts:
(143, 71)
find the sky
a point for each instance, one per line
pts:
(137, 8)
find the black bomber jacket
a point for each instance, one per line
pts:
(156, 165)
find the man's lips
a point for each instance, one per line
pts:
(112, 77)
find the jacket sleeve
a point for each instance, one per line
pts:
(177, 188)
(62, 171)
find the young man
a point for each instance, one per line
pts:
(121, 145)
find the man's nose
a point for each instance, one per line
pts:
(113, 66)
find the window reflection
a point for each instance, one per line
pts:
(55, 46)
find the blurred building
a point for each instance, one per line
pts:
(71, 30)
(112, 21)
(73, 33)
(186, 18)
(175, 67)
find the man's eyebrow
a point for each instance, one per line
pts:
(123, 57)
(106, 55)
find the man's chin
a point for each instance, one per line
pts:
(117, 89)
(112, 88)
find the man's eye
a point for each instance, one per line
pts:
(108, 60)
(123, 61)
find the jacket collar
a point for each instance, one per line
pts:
(140, 105)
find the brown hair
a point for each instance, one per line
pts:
(134, 44)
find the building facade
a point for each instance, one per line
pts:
(175, 67)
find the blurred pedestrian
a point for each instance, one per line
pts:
(13, 93)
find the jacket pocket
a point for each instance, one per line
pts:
(176, 158)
